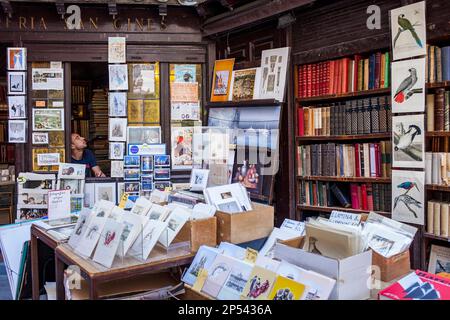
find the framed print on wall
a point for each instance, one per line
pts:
(17, 82)
(221, 79)
(408, 141)
(17, 59)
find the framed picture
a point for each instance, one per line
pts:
(408, 141)
(118, 129)
(185, 72)
(17, 107)
(17, 82)
(116, 150)
(135, 111)
(221, 79)
(182, 148)
(162, 160)
(117, 169)
(439, 259)
(144, 135)
(132, 187)
(48, 119)
(151, 111)
(117, 50)
(249, 175)
(76, 186)
(408, 31)
(408, 196)
(184, 92)
(147, 163)
(161, 174)
(71, 171)
(56, 139)
(162, 185)
(117, 104)
(408, 86)
(17, 131)
(245, 84)
(274, 64)
(131, 174)
(48, 159)
(118, 77)
(105, 191)
(199, 179)
(17, 59)
(143, 78)
(40, 137)
(47, 79)
(132, 161)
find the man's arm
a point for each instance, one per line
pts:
(98, 172)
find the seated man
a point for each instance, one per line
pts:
(81, 155)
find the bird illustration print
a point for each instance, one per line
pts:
(405, 25)
(406, 138)
(408, 201)
(408, 185)
(404, 89)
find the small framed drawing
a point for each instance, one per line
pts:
(117, 50)
(117, 129)
(17, 107)
(17, 59)
(16, 82)
(40, 137)
(117, 104)
(116, 150)
(48, 159)
(118, 77)
(116, 169)
(199, 179)
(105, 191)
(17, 131)
(48, 119)
(162, 174)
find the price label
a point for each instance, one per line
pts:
(123, 200)
(251, 255)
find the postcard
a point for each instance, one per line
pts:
(203, 260)
(408, 196)
(48, 119)
(182, 148)
(141, 207)
(132, 187)
(105, 192)
(439, 259)
(176, 220)
(184, 92)
(117, 104)
(17, 131)
(199, 179)
(143, 78)
(135, 111)
(108, 243)
(185, 111)
(40, 137)
(218, 274)
(236, 281)
(287, 289)
(58, 204)
(118, 77)
(56, 139)
(48, 159)
(80, 227)
(132, 161)
(32, 200)
(17, 82)
(116, 150)
(259, 285)
(151, 111)
(47, 79)
(117, 129)
(150, 235)
(117, 50)
(17, 59)
(76, 186)
(161, 174)
(144, 135)
(162, 185)
(221, 80)
(147, 163)
(17, 107)
(133, 226)
(408, 141)
(162, 160)
(71, 171)
(158, 212)
(117, 169)
(185, 72)
(408, 30)
(147, 183)
(132, 173)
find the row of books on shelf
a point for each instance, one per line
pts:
(7, 153)
(438, 110)
(79, 94)
(353, 117)
(365, 196)
(438, 63)
(344, 75)
(437, 168)
(438, 218)
(370, 160)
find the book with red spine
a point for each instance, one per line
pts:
(345, 67)
(377, 70)
(337, 76)
(355, 72)
(300, 121)
(378, 160)
(332, 77)
(358, 188)
(299, 82)
(369, 197)
(309, 81)
(357, 161)
(364, 205)
(354, 196)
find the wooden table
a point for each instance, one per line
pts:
(95, 274)
(39, 234)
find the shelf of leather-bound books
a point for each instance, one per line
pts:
(432, 134)
(346, 179)
(437, 85)
(329, 209)
(371, 136)
(244, 103)
(437, 187)
(435, 237)
(342, 96)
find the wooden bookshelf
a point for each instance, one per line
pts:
(329, 209)
(436, 187)
(248, 103)
(434, 237)
(433, 134)
(347, 179)
(437, 85)
(371, 136)
(345, 96)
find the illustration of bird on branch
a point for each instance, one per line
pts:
(405, 25)
(407, 200)
(405, 89)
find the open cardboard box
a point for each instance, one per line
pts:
(198, 232)
(393, 267)
(245, 226)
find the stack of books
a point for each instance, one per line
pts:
(344, 75)
(353, 117)
(365, 196)
(345, 160)
(438, 110)
(437, 168)
(438, 218)
(438, 63)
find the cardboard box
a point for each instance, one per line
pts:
(245, 226)
(352, 274)
(199, 232)
(393, 267)
(294, 242)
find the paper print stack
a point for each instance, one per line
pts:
(71, 177)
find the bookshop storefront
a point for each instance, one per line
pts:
(68, 76)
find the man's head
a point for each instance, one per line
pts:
(78, 142)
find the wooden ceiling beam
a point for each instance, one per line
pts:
(121, 2)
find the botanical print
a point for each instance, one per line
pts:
(16, 83)
(185, 72)
(408, 29)
(118, 77)
(143, 76)
(116, 150)
(48, 119)
(408, 137)
(17, 108)
(117, 129)
(117, 104)
(117, 50)
(408, 196)
(17, 59)
(17, 130)
(408, 86)
(135, 111)
(182, 147)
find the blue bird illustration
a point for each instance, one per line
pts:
(408, 186)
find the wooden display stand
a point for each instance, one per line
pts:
(198, 233)
(393, 267)
(245, 226)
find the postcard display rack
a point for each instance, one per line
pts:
(248, 102)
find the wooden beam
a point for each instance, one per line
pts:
(122, 2)
(247, 14)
